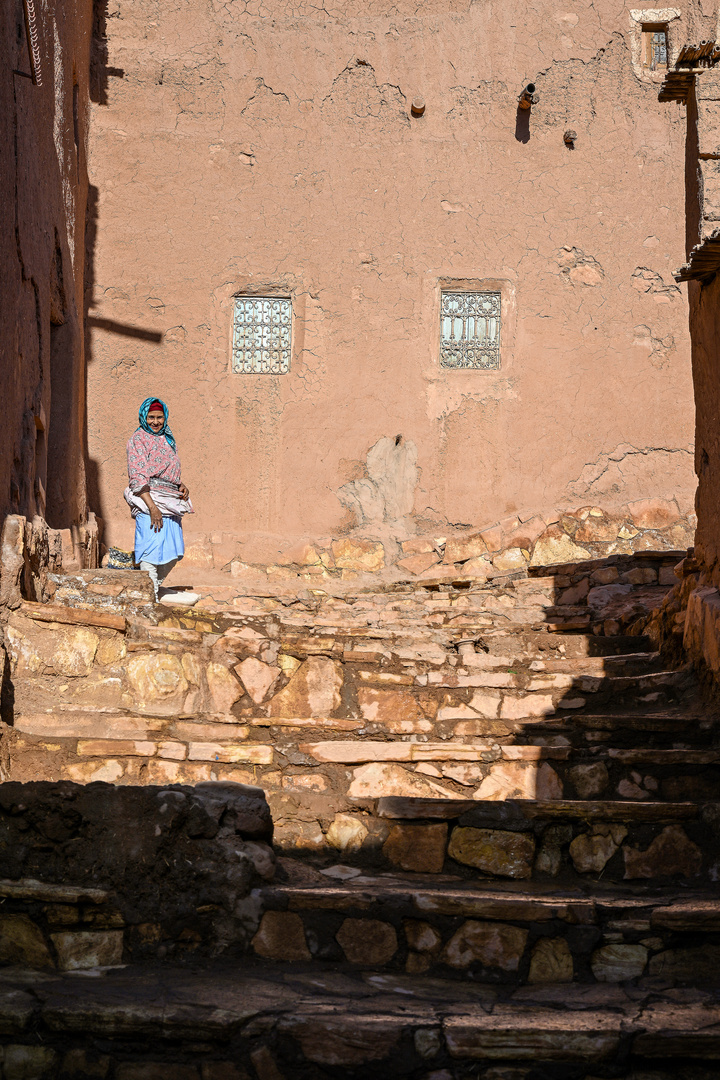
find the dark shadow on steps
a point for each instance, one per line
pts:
(589, 748)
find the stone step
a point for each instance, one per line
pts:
(561, 841)
(310, 639)
(551, 760)
(511, 812)
(672, 729)
(267, 1020)
(492, 934)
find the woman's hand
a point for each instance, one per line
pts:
(184, 493)
(156, 519)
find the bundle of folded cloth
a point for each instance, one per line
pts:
(166, 497)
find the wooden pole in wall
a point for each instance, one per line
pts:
(33, 42)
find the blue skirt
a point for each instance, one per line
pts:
(158, 547)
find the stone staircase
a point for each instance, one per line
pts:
(496, 828)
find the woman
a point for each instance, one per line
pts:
(156, 495)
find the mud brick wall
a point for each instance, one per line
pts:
(224, 149)
(94, 874)
(43, 177)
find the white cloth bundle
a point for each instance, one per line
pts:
(168, 503)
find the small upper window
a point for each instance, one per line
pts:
(655, 46)
(470, 329)
(262, 332)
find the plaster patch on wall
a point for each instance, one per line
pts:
(445, 397)
(356, 97)
(387, 494)
(577, 268)
(631, 472)
(470, 103)
(265, 104)
(569, 89)
(659, 348)
(645, 280)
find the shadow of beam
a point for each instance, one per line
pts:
(113, 327)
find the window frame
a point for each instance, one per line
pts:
(263, 295)
(507, 288)
(648, 30)
(450, 291)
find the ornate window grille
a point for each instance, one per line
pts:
(262, 330)
(470, 329)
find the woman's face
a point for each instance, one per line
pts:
(155, 420)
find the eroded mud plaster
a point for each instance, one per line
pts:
(43, 179)
(255, 147)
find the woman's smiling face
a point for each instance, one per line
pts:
(155, 420)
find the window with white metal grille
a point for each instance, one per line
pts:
(470, 329)
(262, 335)
(655, 46)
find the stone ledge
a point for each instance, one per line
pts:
(220, 1022)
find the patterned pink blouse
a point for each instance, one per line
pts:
(150, 457)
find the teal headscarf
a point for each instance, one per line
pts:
(164, 430)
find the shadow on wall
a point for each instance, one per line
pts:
(522, 125)
(100, 74)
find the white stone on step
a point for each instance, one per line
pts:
(341, 873)
(341, 752)
(520, 780)
(518, 708)
(252, 752)
(379, 780)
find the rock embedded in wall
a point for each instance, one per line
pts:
(417, 848)
(381, 779)
(520, 780)
(346, 832)
(551, 962)
(281, 936)
(557, 547)
(22, 943)
(591, 851)
(495, 851)
(364, 555)
(672, 853)
(313, 690)
(459, 549)
(367, 942)
(257, 678)
(492, 945)
(157, 681)
(618, 963)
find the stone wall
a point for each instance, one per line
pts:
(175, 874)
(272, 149)
(563, 536)
(43, 177)
(328, 698)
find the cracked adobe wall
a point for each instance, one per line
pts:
(703, 219)
(43, 179)
(251, 145)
